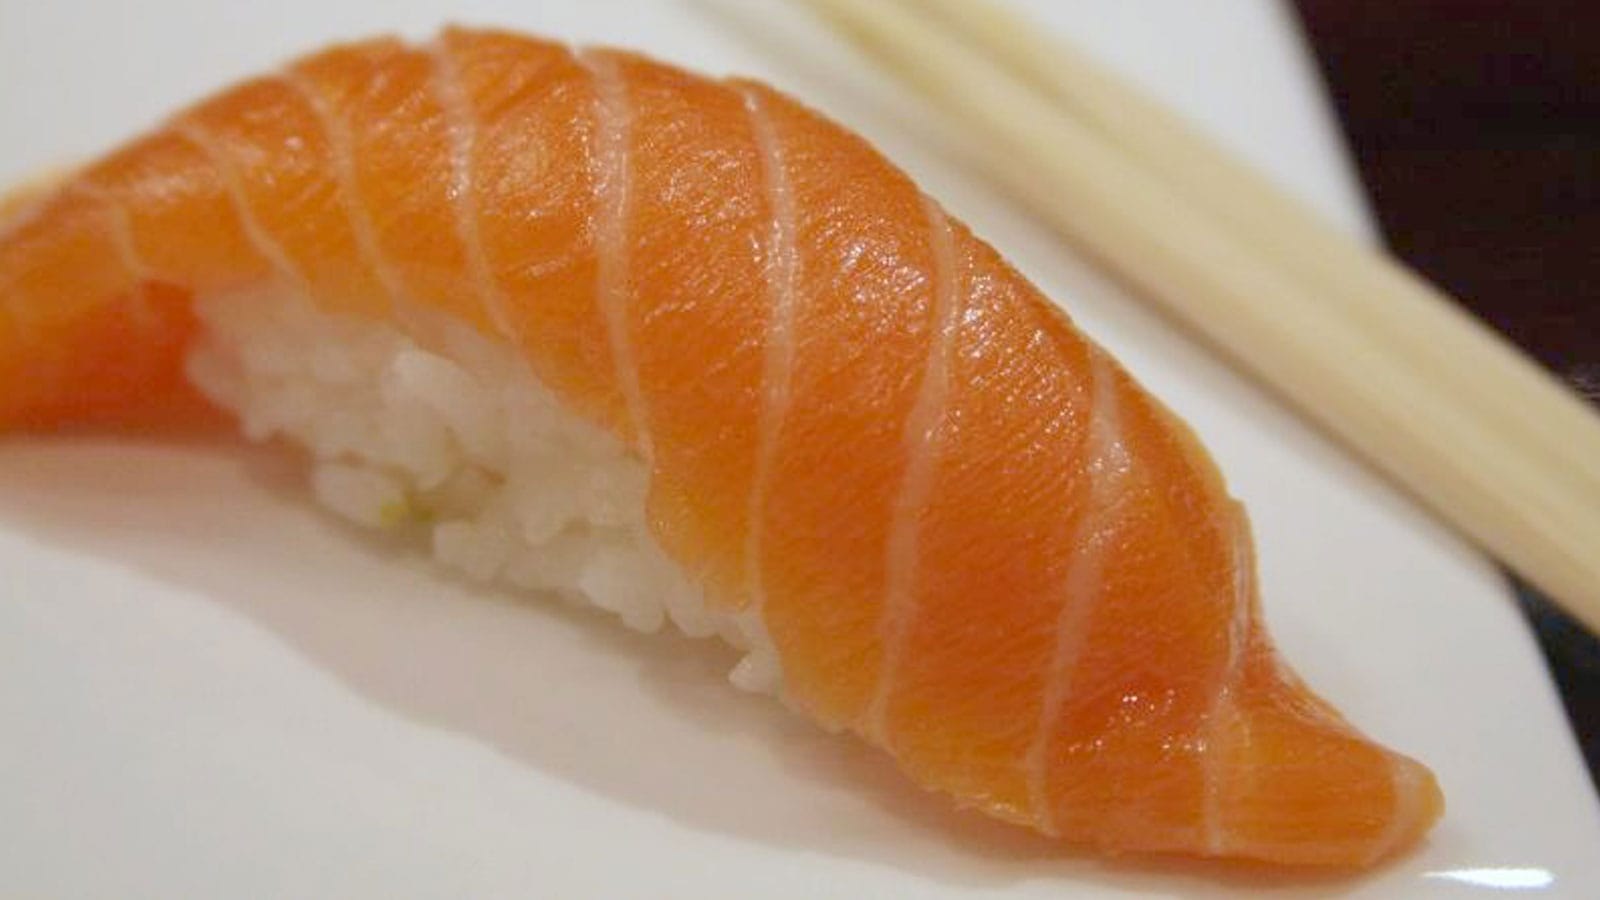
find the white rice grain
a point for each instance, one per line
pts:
(364, 496)
(460, 438)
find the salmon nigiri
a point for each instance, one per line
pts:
(688, 351)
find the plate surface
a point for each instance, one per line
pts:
(209, 688)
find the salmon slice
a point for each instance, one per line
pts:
(972, 538)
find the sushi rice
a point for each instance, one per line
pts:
(459, 444)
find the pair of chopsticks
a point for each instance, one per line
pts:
(1481, 434)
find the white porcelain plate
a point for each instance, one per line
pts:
(210, 689)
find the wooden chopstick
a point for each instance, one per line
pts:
(1486, 440)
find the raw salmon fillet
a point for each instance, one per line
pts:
(974, 540)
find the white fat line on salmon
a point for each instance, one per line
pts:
(782, 271)
(119, 230)
(924, 429)
(613, 187)
(270, 250)
(1222, 716)
(120, 223)
(452, 97)
(341, 150)
(24, 203)
(1108, 465)
(121, 227)
(1404, 781)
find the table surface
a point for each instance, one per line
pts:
(1473, 126)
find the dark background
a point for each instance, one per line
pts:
(1476, 127)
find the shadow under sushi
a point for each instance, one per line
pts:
(537, 681)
